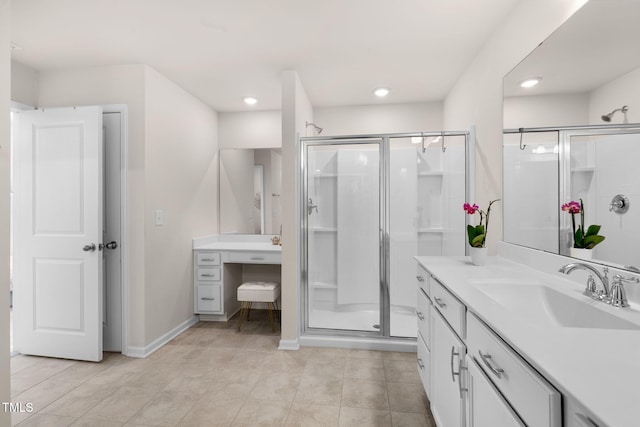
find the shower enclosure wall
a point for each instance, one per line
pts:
(370, 204)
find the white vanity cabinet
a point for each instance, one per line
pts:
(208, 282)
(447, 367)
(423, 314)
(485, 404)
(475, 378)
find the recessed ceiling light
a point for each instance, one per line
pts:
(381, 92)
(249, 100)
(531, 82)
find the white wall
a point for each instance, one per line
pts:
(181, 174)
(546, 110)
(254, 129)
(382, 118)
(625, 90)
(24, 84)
(476, 97)
(296, 110)
(5, 96)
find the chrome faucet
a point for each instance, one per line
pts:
(591, 289)
(618, 296)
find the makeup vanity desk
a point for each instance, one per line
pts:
(222, 262)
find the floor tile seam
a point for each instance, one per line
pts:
(66, 394)
(193, 403)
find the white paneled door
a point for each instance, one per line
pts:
(58, 225)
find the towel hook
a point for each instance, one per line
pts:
(443, 147)
(422, 136)
(522, 146)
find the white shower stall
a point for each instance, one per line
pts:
(369, 205)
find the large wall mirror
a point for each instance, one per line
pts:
(250, 184)
(576, 135)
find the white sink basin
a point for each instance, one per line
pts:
(540, 303)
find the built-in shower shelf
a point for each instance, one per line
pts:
(324, 229)
(324, 175)
(434, 230)
(323, 285)
(583, 170)
(431, 173)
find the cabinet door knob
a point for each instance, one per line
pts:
(420, 364)
(439, 302)
(420, 278)
(420, 316)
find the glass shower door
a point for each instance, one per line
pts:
(342, 222)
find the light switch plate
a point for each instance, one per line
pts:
(159, 217)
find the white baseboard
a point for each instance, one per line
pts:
(143, 352)
(289, 345)
(401, 345)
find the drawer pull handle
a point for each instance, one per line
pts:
(257, 258)
(420, 316)
(420, 364)
(486, 358)
(208, 298)
(208, 275)
(420, 278)
(439, 302)
(207, 259)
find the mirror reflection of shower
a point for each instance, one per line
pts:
(607, 117)
(318, 129)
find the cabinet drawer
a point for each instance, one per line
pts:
(423, 312)
(255, 257)
(207, 258)
(424, 365)
(531, 396)
(449, 306)
(423, 279)
(208, 298)
(206, 274)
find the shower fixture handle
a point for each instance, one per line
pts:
(619, 204)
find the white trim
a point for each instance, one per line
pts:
(143, 352)
(289, 345)
(19, 106)
(408, 346)
(124, 223)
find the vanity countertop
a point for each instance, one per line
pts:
(237, 242)
(600, 368)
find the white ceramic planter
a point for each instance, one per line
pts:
(478, 255)
(581, 253)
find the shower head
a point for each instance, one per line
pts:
(608, 117)
(317, 128)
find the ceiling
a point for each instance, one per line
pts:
(598, 44)
(223, 50)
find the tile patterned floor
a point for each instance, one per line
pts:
(213, 375)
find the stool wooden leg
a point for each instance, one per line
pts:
(270, 306)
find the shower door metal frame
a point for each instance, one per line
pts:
(384, 239)
(305, 142)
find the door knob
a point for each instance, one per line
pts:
(111, 245)
(89, 248)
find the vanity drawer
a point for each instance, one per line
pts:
(423, 312)
(255, 257)
(423, 279)
(531, 396)
(424, 365)
(206, 274)
(207, 258)
(449, 306)
(208, 298)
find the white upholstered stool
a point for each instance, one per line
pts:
(250, 292)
